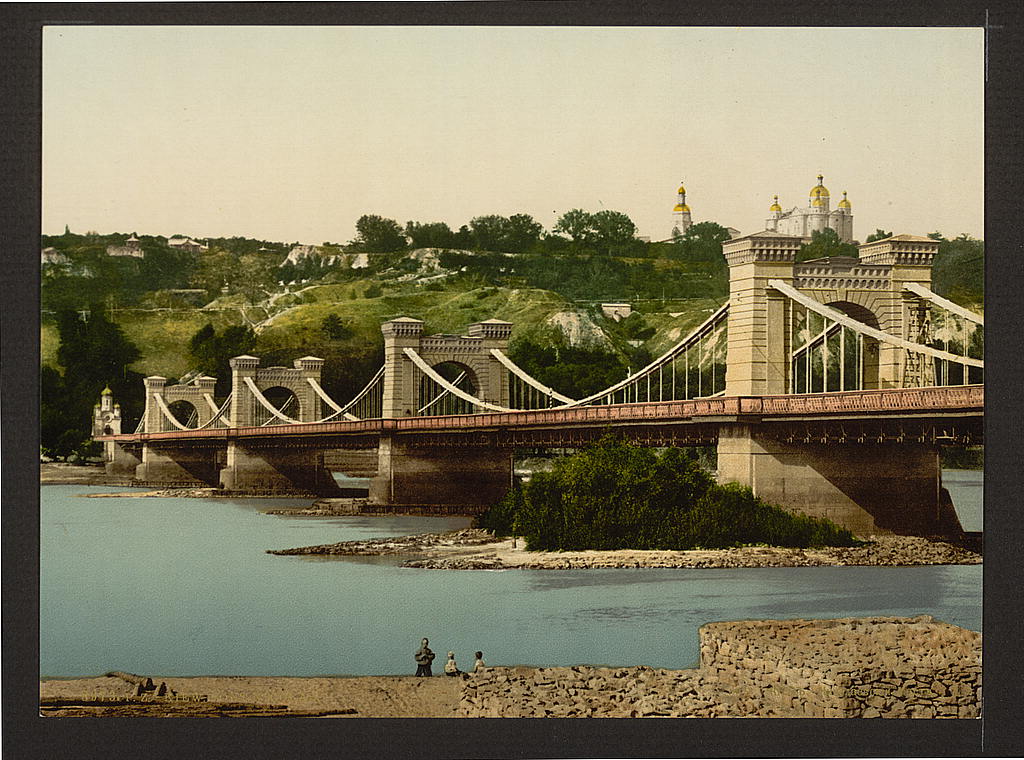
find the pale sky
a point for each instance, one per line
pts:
(292, 133)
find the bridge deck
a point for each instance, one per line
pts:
(889, 404)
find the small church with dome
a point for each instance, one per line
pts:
(815, 217)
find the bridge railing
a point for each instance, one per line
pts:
(909, 400)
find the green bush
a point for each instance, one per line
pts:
(614, 495)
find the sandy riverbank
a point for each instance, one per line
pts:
(357, 697)
(475, 549)
(63, 474)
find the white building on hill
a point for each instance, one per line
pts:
(815, 217)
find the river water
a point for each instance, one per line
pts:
(184, 587)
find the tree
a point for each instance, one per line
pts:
(701, 242)
(522, 233)
(614, 495)
(94, 353)
(958, 271)
(93, 350)
(215, 271)
(575, 371)
(577, 224)
(212, 351)
(825, 243)
(488, 232)
(878, 234)
(334, 328)
(260, 277)
(432, 235)
(375, 234)
(612, 229)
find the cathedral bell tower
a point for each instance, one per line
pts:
(681, 219)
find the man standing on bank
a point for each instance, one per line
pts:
(423, 659)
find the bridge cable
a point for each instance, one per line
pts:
(440, 395)
(162, 406)
(344, 410)
(258, 395)
(429, 371)
(935, 298)
(519, 372)
(871, 332)
(338, 410)
(219, 413)
(696, 335)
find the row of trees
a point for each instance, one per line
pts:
(577, 231)
(614, 495)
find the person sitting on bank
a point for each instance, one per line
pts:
(479, 664)
(423, 658)
(450, 668)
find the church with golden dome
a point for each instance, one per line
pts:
(816, 216)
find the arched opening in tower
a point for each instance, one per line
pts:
(185, 413)
(433, 399)
(828, 356)
(284, 401)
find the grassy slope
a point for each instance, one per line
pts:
(448, 311)
(163, 335)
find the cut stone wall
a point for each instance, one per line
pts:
(585, 692)
(881, 667)
(848, 668)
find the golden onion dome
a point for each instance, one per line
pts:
(819, 190)
(844, 203)
(105, 391)
(775, 206)
(682, 207)
(681, 190)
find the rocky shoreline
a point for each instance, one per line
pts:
(870, 667)
(202, 493)
(423, 542)
(477, 549)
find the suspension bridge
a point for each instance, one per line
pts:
(827, 386)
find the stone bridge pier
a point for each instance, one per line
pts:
(868, 488)
(179, 465)
(258, 464)
(414, 474)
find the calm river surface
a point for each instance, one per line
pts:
(184, 587)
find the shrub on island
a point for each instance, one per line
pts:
(614, 495)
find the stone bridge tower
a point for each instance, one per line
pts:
(193, 393)
(868, 288)
(244, 405)
(470, 352)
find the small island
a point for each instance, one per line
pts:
(616, 505)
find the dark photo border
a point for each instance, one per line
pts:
(26, 735)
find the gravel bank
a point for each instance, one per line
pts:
(476, 549)
(452, 541)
